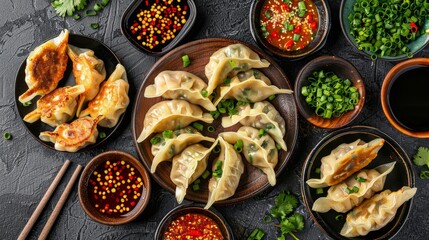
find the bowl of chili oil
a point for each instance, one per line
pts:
(170, 21)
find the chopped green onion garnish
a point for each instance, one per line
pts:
(227, 81)
(319, 191)
(216, 149)
(95, 25)
(98, 7)
(186, 61)
(218, 169)
(90, 12)
(167, 134)
(206, 174)
(232, 63)
(261, 132)
(278, 146)
(360, 179)
(7, 135)
(290, 27)
(76, 17)
(272, 97)
(104, 2)
(101, 134)
(204, 93)
(267, 219)
(215, 114)
(195, 187)
(296, 37)
(26, 104)
(353, 190)
(256, 234)
(339, 217)
(155, 140)
(211, 129)
(424, 174)
(198, 126)
(238, 146)
(317, 170)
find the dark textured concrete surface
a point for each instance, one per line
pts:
(27, 168)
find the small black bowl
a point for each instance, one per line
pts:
(128, 20)
(402, 175)
(318, 42)
(194, 208)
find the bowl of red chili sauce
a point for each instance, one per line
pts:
(192, 221)
(290, 28)
(157, 26)
(114, 188)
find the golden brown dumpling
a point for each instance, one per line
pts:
(88, 71)
(112, 100)
(74, 136)
(56, 107)
(46, 65)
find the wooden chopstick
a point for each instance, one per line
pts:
(43, 201)
(45, 232)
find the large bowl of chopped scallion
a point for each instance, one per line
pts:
(388, 29)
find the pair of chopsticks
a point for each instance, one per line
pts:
(45, 199)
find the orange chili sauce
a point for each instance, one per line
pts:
(280, 21)
(193, 226)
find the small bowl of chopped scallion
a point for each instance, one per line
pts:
(329, 92)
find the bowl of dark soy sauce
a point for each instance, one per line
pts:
(405, 98)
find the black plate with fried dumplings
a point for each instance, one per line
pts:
(402, 175)
(102, 52)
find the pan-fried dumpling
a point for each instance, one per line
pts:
(88, 71)
(250, 90)
(74, 136)
(345, 160)
(56, 107)
(229, 61)
(261, 152)
(46, 65)
(166, 148)
(179, 85)
(171, 115)
(228, 168)
(263, 115)
(368, 182)
(376, 212)
(188, 166)
(112, 99)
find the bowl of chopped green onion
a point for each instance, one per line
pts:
(330, 92)
(388, 29)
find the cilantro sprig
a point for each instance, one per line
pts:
(68, 7)
(289, 221)
(422, 158)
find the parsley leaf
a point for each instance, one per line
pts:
(68, 7)
(422, 157)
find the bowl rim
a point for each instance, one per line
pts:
(387, 83)
(344, 131)
(317, 120)
(86, 173)
(179, 37)
(193, 207)
(366, 53)
(277, 52)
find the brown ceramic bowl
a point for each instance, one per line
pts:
(342, 69)
(83, 188)
(387, 83)
(197, 209)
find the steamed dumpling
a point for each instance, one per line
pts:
(188, 166)
(179, 85)
(45, 67)
(230, 167)
(74, 136)
(250, 90)
(376, 212)
(56, 107)
(345, 160)
(261, 152)
(171, 115)
(112, 99)
(231, 59)
(368, 182)
(88, 71)
(165, 149)
(263, 115)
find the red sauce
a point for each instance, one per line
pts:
(158, 22)
(115, 188)
(193, 226)
(289, 24)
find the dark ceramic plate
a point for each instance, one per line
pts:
(128, 20)
(252, 181)
(318, 42)
(402, 175)
(198, 209)
(101, 51)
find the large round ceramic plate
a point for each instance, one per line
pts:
(252, 181)
(101, 51)
(401, 175)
